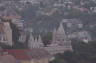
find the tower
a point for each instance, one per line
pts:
(34, 42)
(40, 42)
(31, 41)
(8, 33)
(22, 37)
(60, 38)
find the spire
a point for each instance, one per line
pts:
(31, 41)
(36, 44)
(8, 32)
(40, 42)
(31, 38)
(61, 29)
(36, 40)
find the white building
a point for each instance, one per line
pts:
(81, 35)
(22, 37)
(6, 33)
(35, 42)
(59, 44)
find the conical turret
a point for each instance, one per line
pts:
(61, 29)
(40, 42)
(36, 44)
(8, 32)
(59, 36)
(31, 41)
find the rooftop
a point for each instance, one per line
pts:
(7, 59)
(26, 54)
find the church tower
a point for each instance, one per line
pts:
(31, 41)
(8, 33)
(34, 42)
(40, 42)
(60, 38)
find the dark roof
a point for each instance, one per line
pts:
(26, 54)
(7, 59)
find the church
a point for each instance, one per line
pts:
(60, 42)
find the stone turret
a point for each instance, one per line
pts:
(60, 38)
(31, 41)
(8, 32)
(40, 42)
(35, 42)
(60, 42)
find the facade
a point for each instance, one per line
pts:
(22, 37)
(73, 25)
(60, 42)
(6, 33)
(81, 35)
(19, 23)
(35, 42)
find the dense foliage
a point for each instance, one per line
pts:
(83, 53)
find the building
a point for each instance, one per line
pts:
(60, 42)
(22, 37)
(81, 36)
(35, 42)
(6, 33)
(34, 55)
(59, 36)
(73, 25)
(10, 14)
(19, 23)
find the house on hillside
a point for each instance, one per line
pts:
(81, 36)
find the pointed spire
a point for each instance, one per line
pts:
(31, 41)
(31, 38)
(40, 41)
(8, 32)
(61, 29)
(36, 40)
(36, 44)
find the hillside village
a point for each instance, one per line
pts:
(44, 31)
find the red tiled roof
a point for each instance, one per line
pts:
(26, 54)
(7, 59)
(10, 14)
(19, 54)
